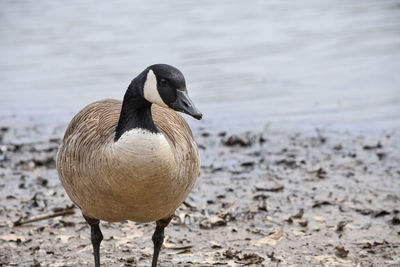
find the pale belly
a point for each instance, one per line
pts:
(136, 179)
(144, 203)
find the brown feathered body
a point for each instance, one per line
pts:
(141, 177)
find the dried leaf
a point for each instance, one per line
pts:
(270, 240)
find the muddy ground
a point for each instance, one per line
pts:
(270, 198)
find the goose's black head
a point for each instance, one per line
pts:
(165, 86)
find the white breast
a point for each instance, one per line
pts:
(150, 152)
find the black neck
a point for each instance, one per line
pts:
(135, 112)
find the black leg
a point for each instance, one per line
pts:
(96, 236)
(158, 239)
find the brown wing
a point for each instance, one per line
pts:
(180, 137)
(172, 125)
(96, 120)
(92, 129)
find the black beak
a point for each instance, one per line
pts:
(184, 104)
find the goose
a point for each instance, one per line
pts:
(136, 160)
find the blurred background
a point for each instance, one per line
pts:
(288, 64)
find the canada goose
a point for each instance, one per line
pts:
(132, 160)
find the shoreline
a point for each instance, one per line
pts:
(270, 197)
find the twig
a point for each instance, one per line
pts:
(22, 221)
(191, 207)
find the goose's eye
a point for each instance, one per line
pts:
(163, 82)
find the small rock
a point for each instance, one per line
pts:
(321, 173)
(288, 162)
(341, 252)
(215, 245)
(230, 253)
(338, 147)
(278, 187)
(252, 259)
(381, 155)
(381, 213)
(370, 147)
(235, 140)
(340, 226)
(303, 223)
(395, 221)
(42, 181)
(130, 260)
(222, 134)
(299, 214)
(247, 164)
(289, 220)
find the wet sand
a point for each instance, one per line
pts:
(272, 197)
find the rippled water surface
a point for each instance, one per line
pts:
(308, 64)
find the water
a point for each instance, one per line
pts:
(294, 64)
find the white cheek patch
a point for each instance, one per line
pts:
(150, 91)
